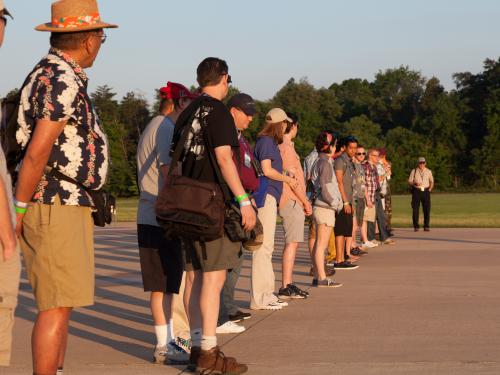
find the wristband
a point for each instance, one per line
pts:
(21, 210)
(241, 198)
(347, 203)
(245, 203)
(20, 204)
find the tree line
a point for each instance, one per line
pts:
(458, 131)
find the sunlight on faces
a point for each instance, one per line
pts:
(351, 149)
(92, 46)
(241, 119)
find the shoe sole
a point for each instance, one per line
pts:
(329, 286)
(348, 269)
(176, 362)
(291, 297)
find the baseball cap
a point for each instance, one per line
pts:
(176, 91)
(421, 159)
(243, 102)
(277, 115)
(5, 11)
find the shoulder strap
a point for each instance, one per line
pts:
(213, 159)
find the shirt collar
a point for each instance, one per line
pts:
(71, 62)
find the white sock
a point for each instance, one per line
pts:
(161, 335)
(59, 371)
(208, 342)
(196, 337)
(170, 331)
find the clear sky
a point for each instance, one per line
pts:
(266, 42)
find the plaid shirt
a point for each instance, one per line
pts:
(371, 179)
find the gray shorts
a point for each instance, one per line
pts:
(360, 210)
(293, 217)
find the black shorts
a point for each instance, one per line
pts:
(161, 260)
(343, 224)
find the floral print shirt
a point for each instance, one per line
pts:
(56, 90)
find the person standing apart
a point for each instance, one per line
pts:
(293, 207)
(421, 182)
(59, 130)
(262, 295)
(161, 259)
(10, 263)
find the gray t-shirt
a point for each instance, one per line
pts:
(153, 151)
(343, 163)
(359, 186)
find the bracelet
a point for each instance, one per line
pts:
(241, 198)
(21, 210)
(20, 204)
(245, 203)
(347, 203)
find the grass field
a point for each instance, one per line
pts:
(448, 210)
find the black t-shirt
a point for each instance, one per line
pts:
(221, 130)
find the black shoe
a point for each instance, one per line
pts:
(345, 265)
(358, 252)
(415, 229)
(298, 290)
(239, 316)
(314, 282)
(290, 293)
(427, 229)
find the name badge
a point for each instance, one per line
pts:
(248, 160)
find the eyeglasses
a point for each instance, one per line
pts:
(229, 81)
(422, 162)
(375, 155)
(4, 20)
(360, 153)
(103, 38)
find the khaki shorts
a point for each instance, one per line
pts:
(369, 214)
(58, 248)
(293, 221)
(10, 272)
(218, 255)
(324, 216)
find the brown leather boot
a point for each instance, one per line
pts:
(213, 361)
(193, 358)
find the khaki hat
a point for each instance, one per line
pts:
(5, 11)
(421, 159)
(72, 16)
(277, 115)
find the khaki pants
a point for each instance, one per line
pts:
(179, 316)
(262, 289)
(9, 287)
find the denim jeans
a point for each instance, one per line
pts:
(227, 303)
(381, 221)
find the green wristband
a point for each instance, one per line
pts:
(21, 210)
(241, 198)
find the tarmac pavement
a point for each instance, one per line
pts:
(428, 305)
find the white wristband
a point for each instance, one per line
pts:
(245, 203)
(20, 204)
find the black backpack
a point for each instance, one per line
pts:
(8, 128)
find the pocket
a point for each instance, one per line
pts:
(45, 213)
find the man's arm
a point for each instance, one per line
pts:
(7, 236)
(230, 173)
(35, 160)
(340, 180)
(431, 182)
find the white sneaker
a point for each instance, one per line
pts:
(282, 303)
(229, 327)
(272, 306)
(369, 244)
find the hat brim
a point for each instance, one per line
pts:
(250, 111)
(53, 29)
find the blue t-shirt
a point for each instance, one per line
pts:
(267, 149)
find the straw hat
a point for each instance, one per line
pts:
(74, 15)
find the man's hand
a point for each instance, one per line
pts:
(293, 182)
(308, 208)
(248, 217)
(348, 209)
(369, 203)
(8, 250)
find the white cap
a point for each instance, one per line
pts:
(277, 115)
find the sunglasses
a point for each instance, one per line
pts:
(4, 20)
(229, 80)
(360, 153)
